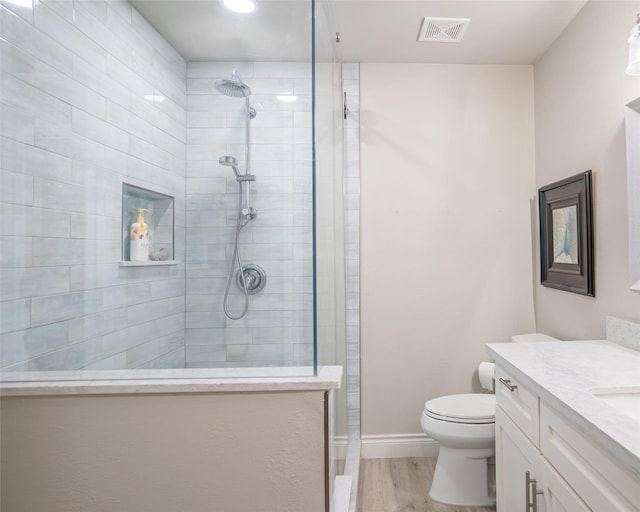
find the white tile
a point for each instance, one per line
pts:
(206, 119)
(15, 252)
(52, 194)
(264, 352)
(212, 103)
(202, 136)
(17, 124)
(206, 185)
(30, 343)
(33, 161)
(67, 143)
(16, 188)
(25, 10)
(63, 8)
(64, 306)
(24, 35)
(148, 111)
(219, 70)
(149, 311)
(282, 70)
(350, 71)
(63, 251)
(60, 30)
(17, 63)
(15, 315)
(20, 220)
(101, 84)
(97, 8)
(169, 143)
(35, 101)
(22, 283)
(97, 324)
(204, 353)
(160, 45)
(90, 18)
(148, 152)
(100, 131)
(85, 277)
(267, 135)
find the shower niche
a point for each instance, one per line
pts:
(158, 214)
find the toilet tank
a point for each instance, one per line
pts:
(536, 336)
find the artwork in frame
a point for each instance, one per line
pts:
(566, 235)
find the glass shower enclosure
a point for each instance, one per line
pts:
(217, 132)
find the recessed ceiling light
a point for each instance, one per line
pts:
(241, 6)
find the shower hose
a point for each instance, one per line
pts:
(241, 222)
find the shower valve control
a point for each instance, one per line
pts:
(253, 277)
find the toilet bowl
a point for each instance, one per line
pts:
(464, 426)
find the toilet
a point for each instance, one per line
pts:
(464, 426)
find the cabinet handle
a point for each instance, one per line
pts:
(531, 493)
(507, 382)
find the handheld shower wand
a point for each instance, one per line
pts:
(232, 162)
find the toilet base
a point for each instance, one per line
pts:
(464, 477)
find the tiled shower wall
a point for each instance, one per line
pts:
(351, 83)
(92, 96)
(278, 330)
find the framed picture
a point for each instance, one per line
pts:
(566, 235)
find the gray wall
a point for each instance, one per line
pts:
(77, 121)
(581, 91)
(445, 233)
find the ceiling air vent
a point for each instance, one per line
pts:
(443, 30)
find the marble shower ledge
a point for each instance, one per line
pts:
(197, 380)
(562, 373)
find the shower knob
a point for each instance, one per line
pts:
(254, 277)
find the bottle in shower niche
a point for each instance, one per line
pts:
(139, 238)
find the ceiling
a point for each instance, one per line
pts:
(500, 31)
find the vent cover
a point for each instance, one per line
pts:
(443, 30)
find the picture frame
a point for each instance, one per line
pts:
(566, 235)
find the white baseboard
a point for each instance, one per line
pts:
(341, 445)
(401, 445)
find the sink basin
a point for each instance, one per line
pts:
(625, 400)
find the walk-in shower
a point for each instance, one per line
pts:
(140, 124)
(105, 111)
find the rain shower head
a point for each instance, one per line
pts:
(230, 161)
(234, 87)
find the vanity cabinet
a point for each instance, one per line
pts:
(543, 464)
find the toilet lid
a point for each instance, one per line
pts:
(465, 408)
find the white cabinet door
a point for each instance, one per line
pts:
(556, 495)
(515, 489)
(515, 455)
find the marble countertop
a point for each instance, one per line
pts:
(563, 373)
(216, 380)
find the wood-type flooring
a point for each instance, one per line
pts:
(401, 485)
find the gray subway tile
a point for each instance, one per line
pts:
(22, 283)
(64, 306)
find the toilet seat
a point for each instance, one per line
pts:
(469, 408)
